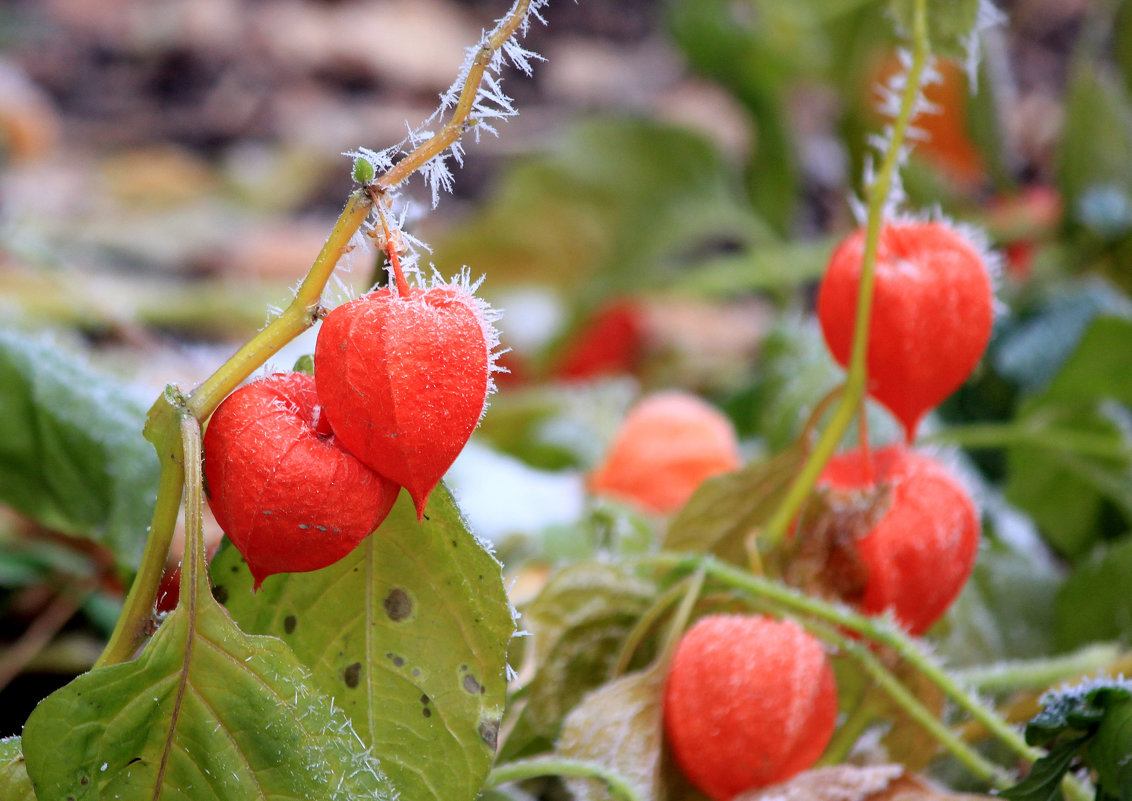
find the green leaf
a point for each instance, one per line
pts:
(1109, 749)
(14, 782)
(72, 455)
(726, 510)
(950, 23)
(1031, 351)
(304, 364)
(1043, 783)
(618, 726)
(408, 634)
(1006, 610)
(1093, 720)
(1096, 150)
(1080, 454)
(1094, 604)
(601, 212)
(579, 621)
(205, 712)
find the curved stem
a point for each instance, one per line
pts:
(857, 379)
(979, 767)
(554, 766)
(458, 124)
(645, 623)
(300, 315)
(163, 430)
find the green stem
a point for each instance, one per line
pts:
(458, 124)
(194, 580)
(876, 629)
(646, 621)
(979, 767)
(570, 768)
(300, 315)
(1037, 674)
(857, 379)
(847, 734)
(1001, 435)
(163, 430)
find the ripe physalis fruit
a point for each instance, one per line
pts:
(667, 445)
(921, 549)
(404, 378)
(611, 342)
(286, 493)
(749, 701)
(933, 309)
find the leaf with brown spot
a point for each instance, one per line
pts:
(417, 610)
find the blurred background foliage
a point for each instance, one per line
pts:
(657, 216)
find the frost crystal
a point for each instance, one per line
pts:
(490, 103)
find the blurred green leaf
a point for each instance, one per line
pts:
(205, 712)
(1006, 609)
(408, 634)
(1095, 605)
(1096, 149)
(785, 266)
(795, 371)
(1082, 456)
(618, 726)
(14, 782)
(616, 206)
(727, 510)
(72, 455)
(1031, 350)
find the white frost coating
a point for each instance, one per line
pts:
(490, 103)
(988, 16)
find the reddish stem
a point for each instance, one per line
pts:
(866, 451)
(395, 261)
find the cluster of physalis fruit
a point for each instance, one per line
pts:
(300, 468)
(749, 700)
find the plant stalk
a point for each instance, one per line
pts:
(857, 380)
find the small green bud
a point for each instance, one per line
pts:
(363, 171)
(304, 364)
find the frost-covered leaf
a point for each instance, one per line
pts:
(408, 634)
(1091, 721)
(205, 712)
(14, 782)
(1030, 351)
(618, 726)
(1094, 603)
(1006, 610)
(72, 455)
(726, 510)
(579, 621)
(1082, 456)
